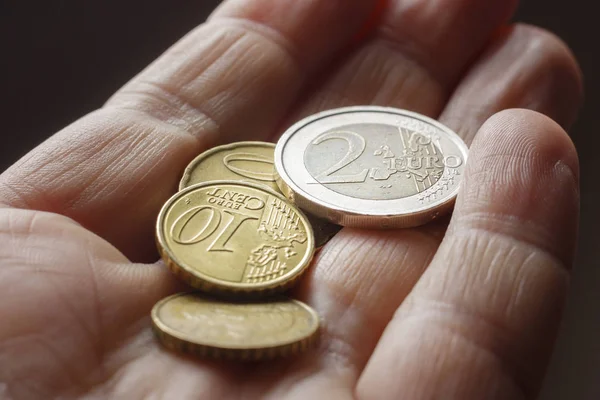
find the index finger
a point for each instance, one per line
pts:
(233, 78)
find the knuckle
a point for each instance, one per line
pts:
(553, 57)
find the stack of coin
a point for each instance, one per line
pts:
(235, 229)
(230, 233)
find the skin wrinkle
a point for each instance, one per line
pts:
(130, 158)
(508, 225)
(468, 324)
(466, 229)
(108, 386)
(32, 225)
(244, 41)
(274, 36)
(352, 279)
(18, 198)
(67, 174)
(333, 342)
(537, 67)
(459, 325)
(496, 362)
(14, 220)
(335, 346)
(447, 374)
(96, 305)
(516, 227)
(88, 332)
(146, 371)
(355, 288)
(23, 384)
(174, 70)
(86, 189)
(321, 369)
(520, 292)
(112, 170)
(390, 37)
(248, 55)
(142, 97)
(350, 258)
(437, 41)
(520, 295)
(413, 80)
(337, 389)
(386, 260)
(72, 374)
(164, 107)
(115, 362)
(378, 71)
(310, 16)
(503, 307)
(366, 75)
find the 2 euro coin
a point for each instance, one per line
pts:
(372, 167)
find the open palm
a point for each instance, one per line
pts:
(465, 311)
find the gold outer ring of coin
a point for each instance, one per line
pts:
(309, 194)
(212, 285)
(189, 170)
(322, 229)
(202, 342)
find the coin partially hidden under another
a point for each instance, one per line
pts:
(195, 324)
(241, 161)
(250, 162)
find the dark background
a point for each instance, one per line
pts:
(63, 58)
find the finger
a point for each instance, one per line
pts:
(481, 322)
(356, 284)
(524, 67)
(354, 317)
(71, 300)
(415, 58)
(232, 78)
(405, 64)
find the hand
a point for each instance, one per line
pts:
(465, 311)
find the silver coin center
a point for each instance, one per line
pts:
(375, 161)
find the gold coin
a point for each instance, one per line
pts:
(191, 323)
(242, 161)
(247, 162)
(234, 237)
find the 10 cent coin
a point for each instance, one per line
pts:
(234, 237)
